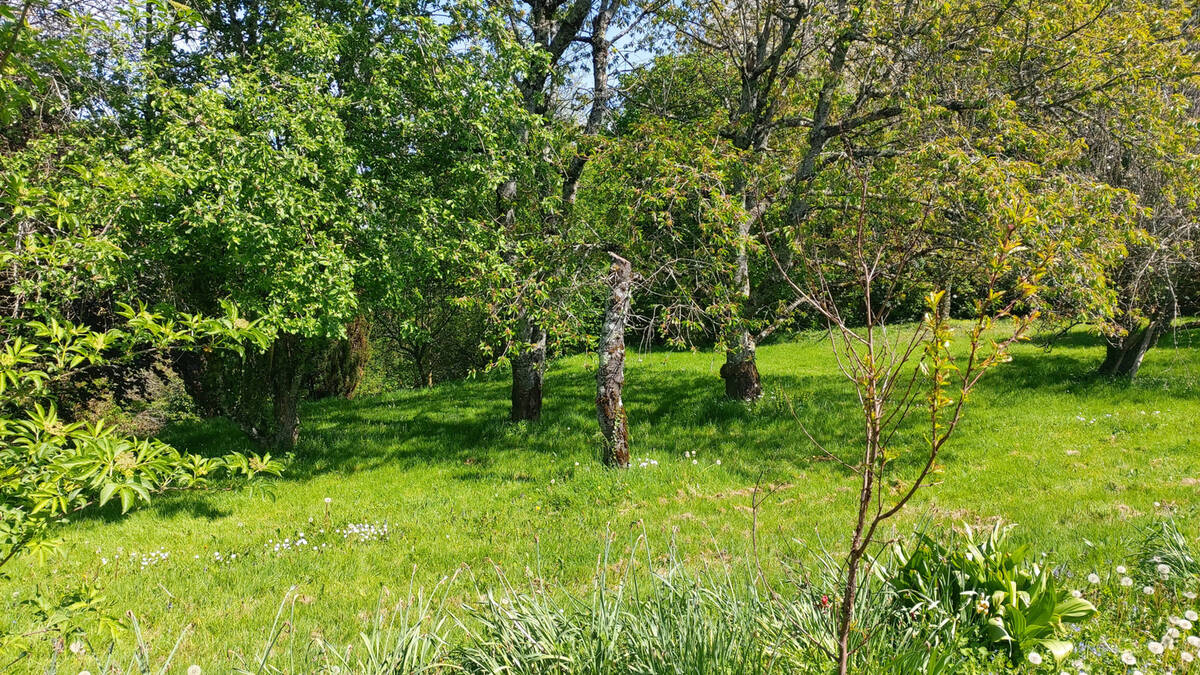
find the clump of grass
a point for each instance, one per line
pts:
(673, 621)
(654, 616)
(1165, 554)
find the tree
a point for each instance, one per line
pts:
(805, 87)
(533, 205)
(906, 377)
(1155, 155)
(364, 138)
(258, 204)
(427, 107)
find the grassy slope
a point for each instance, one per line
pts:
(458, 485)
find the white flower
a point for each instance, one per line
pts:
(695, 461)
(1191, 615)
(718, 462)
(1155, 648)
(328, 500)
(1163, 570)
(1186, 657)
(77, 648)
(1128, 658)
(1126, 582)
(1093, 578)
(193, 670)
(1121, 570)
(1173, 632)
(552, 481)
(1193, 641)
(1184, 624)
(1035, 658)
(1148, 590)
(1076, 594)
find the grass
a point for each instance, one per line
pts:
(1080, 463)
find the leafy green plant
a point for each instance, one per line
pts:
(1020, 606)
(53, 468)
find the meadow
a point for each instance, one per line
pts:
(407, 489)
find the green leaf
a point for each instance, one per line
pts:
(106, 492)
(1059, 648)
(126, 498)
(1074, 610)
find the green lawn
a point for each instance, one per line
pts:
(1081, 464)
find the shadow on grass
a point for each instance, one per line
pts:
(190, 504)
(465, 424)
(463, 427)
(1069, 364)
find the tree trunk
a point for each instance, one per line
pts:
(1125, 358)
(422, 358)
(285, 384)
(740, 371)
(337, 368)
(528, 368)
(610, 376)
(944, 305)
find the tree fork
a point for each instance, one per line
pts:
(1125, 359)
(610, 376)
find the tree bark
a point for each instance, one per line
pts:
(285, 385)
(610, 376)
(422, 367)
(944, 305)
(1124, 358)
(336, 367)
(528, 369)
(740, 371)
